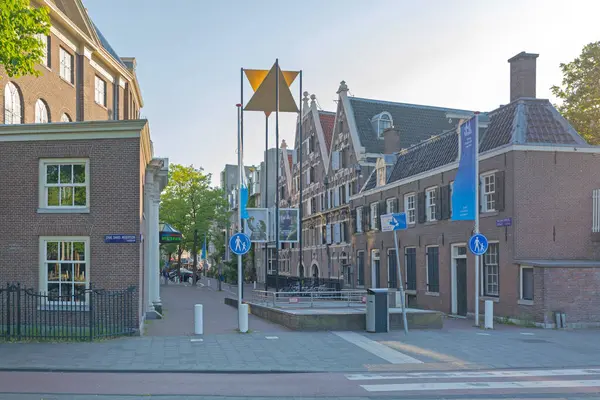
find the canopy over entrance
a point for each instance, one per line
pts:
(168, 234)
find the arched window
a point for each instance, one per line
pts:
(381, 122)
(41, 112)
(12, 104)
(65, 118)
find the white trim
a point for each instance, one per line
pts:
(68, 136)
(483, 200)
(521, 299)
(405, 205)
(43, 205)
(454, 276)
(43, 273)
(72, 130)
(349, 112)
(102, 71)
(482, 274)
(320, 134)
(122, 82)
(483, 156)
(436, 203)
(374, 283)
(87, 53)
(63, 38)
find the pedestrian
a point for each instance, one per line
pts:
(165, 274)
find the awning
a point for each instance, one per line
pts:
(168, 234)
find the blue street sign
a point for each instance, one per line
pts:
(478, 244)
(240, 244)
(393, 222)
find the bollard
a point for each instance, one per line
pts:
(489, 314)
(198, 323)
(243, 317)
(254, 285)
(208, 279)
(563, 320)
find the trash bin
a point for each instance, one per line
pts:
(378, 311)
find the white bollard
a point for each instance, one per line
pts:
(243, 317)
(254, 285)
(198, 323)
(489, 314)
(208, 279)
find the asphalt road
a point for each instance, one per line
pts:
(516, 383)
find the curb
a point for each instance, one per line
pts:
(172, 371)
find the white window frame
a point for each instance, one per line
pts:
(389, 205)
(521, 299)
(488, 201)
(99, 91)
(43, 196)
(430, 205)
(67, 62)
(42, 115)
(484, 271)
(45, 61)
(374, 215)
(65, 118)
(13, 108)
(43, 269)
(411, 212)
(359, 221)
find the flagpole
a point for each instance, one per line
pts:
(266, 175)
(477, 216)
(277, 167)
(300, 206)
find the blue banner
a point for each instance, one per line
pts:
(244, 202)
(465, 183)
(204, 249)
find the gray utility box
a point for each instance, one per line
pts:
(378, 310)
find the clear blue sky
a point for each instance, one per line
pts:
(436, 52)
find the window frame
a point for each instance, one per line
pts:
(413, 209)
(45, 61)
(390, 205)
(430, 207)
(43, 271)
(484, 267)
(65, 118)
(63, 67)
(427, 289)
(523, 300)
(42, 114)
(101, 92)
(485, 195)
(359, 219)
(43, 197)
(374, 215)
(16, 102)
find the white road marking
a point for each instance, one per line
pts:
(271, 337)
(476, 374)
(433, 386)
(527, 333)
(382, 351)
(483, 334)
(196, 340)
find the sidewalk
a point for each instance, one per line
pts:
(178, 311)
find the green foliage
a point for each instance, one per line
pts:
(20, 47)
(189, 203)
(580, 93)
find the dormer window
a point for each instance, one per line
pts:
(381, 122)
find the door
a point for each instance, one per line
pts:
(461, 286)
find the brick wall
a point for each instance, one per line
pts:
(114, 209)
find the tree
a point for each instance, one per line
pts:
(20, 46)
(580, 93)
(188, 203)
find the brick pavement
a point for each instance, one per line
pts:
(178, 309)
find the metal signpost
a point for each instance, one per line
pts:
(395, 222)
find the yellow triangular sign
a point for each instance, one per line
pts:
(264, 98)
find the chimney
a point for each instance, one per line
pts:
(391, 141)
(522, 75)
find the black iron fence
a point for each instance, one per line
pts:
(294, 283)
(83, 316)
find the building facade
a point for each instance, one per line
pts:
(537, 182)
(86, 208)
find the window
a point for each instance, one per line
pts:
(45, 60)
(41, 112)
(360, 268)
(433, 270)
(381, 122)
(410, 208)
(488, 191)
(100, 91)
(374, 216)
(491, 271)
(431, 201)
(65, 118)
(65, 269)
(410, 256)
(65, 183)
(66, 66)
(526, 283)
(390, 206)
(12, 104)
(359, 219)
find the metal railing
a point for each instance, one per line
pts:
(315, 299)
(84, 316)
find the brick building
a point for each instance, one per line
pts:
(81, 187)
(538, 180)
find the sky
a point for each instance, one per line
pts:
(448, 53)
